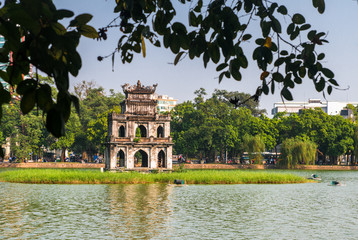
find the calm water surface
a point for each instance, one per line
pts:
(158, 211)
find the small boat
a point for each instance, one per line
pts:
(336, 183)
(179, 181)
(315, 177)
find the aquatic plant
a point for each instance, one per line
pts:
(61, 176)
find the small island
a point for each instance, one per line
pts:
(61, 176)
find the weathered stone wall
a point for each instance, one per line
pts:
(187, 166)
(260, 166)
(52, 165)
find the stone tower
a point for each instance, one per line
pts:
(139, 137)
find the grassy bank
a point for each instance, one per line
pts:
(60, 176)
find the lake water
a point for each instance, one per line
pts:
(159, 211)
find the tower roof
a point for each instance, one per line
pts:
(139, 88)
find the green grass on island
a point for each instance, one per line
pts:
(60, 176)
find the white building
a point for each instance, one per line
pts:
(165, 103)
(331, 108)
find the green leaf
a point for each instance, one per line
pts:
(235, 73)
(58, 28)
(76, 103)
(295, 33)
(246, 37)
(265, 88)
(206, 58)
(329, 90)
(4, 76)
(328, 73)
(44, 97)
(81, 20)
(25, 86)
(55, 123)
(333, 82)
(221, 76)
(279, 61)
(302, 71)
(64, 13)
(175, 44)
(298, 19)
(320, 85)
(214, 53)
(260, 41)
(305, 27)
(321, 56)
(284, 53)
(276, 26)
(266, 27)
(177, 58)
(221, 67)
(297, 80)
(28, 101)
(277, 77)
(243, 61)
(64, 104)
(282, 9)
(179, 28)
(286, 94)
(192, 19)
(88, 31)
(5, 96)
(272, 87)
(320, 5)
(311, 34)
(290, 28)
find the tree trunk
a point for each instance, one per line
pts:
(63, 151)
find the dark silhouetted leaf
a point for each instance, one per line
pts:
(282, 9)
(55, 123)
(63, 13)
(81, 20)
(221, 67)
(320, 56)
(44, 97)
(298, 19)
(25, 86)
(328, 73)
(286, 94)
(28, 101)
(277, 77)
(320, 85)
(333, 82)
(5, 96)
(88, 31)
(177, 58)
(246, 37)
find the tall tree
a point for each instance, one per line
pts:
(217, 32)
(34, 36)
(254, 146)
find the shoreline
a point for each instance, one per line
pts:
(70, 165)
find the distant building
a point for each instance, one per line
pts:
(165, 103)
(331, 108)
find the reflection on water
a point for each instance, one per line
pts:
(139, 210)
(159, 211)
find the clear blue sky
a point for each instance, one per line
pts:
(339, 20)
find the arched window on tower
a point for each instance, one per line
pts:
(121, 131)
(160, 132)
(142, 132)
